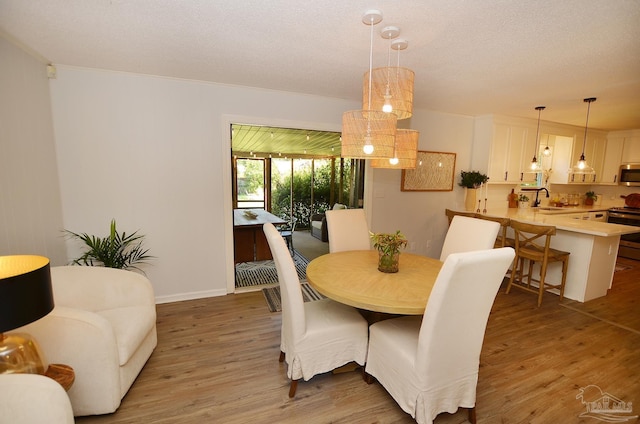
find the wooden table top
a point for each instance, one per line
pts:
(262, 216)
(353, 278)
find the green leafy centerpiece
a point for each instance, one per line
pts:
(388, 246)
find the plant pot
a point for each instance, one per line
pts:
(470, 199)
(588, 201)
(388, 262)
(523, 204)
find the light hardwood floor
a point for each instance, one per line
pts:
(217, 362)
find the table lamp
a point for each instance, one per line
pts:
(25, 296)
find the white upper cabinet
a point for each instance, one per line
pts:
(511, 149)
(631, 151)
(612, 160)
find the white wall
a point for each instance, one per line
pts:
(30, 207)
(420, 215)
(154, 153)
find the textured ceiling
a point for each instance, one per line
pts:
(470, 57)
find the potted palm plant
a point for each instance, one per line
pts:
(590, 197)
(113, 251)
(388, 246)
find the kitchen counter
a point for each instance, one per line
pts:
(593, 247)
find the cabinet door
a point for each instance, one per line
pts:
(612, 160)
(529, 143)
(594, 156)
(631, 150)
(499, 154)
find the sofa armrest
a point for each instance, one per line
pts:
(33, 399)
(317, 217)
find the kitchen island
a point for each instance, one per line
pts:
(593, 246)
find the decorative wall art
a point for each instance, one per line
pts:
(434, 172)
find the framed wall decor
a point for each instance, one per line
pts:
(434, 172)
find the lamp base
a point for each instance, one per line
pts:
(20, 354)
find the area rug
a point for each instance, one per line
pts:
(264, 272)
(272, 296)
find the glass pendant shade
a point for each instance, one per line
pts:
(406, 152)
(368, 134)
(582, 167)
(391, 90)
(535, 165)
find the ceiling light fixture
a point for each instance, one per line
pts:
(405, 155)
(582, 167)
(547, 150)
(368, 133)
(535, 166)
(391, 89)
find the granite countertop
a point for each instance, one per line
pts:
(561, 221)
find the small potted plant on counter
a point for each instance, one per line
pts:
(589, 198)
(388, 246)
(523, 200)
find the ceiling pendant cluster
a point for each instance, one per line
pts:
(387, 96)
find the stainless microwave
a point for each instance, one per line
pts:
(629, 174)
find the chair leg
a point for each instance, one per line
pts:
(368, 378)
(281, 358)
(472, 415)
(292, 388)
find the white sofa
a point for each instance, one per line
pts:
(104, 326)
(33, 399)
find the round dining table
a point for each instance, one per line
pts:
(352, 278)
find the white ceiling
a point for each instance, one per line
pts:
(470, 57)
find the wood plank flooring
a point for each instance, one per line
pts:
(217, 362)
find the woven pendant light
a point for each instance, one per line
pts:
(406, 152)
(368, 133)
(391, 87)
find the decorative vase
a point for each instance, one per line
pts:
(388, 262)
(523, 204)
(470, 199)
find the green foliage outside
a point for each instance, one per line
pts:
(281, 193)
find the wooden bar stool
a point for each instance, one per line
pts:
(502, 240)
(451, 213)
(528, 245)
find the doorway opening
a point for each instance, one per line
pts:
(294, 175)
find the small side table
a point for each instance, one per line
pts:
(61, 373)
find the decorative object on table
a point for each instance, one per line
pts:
(590, 198)
(433, 172)
(120, 251)
(250, 214)
(523, 201)
(512, 198)
(388, 246)
(472, 181)
(25, 296)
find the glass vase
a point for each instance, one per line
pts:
(388, 262)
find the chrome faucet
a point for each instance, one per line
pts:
(537, 202)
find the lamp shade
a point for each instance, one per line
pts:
(392, 86)
(406, 152)
(368, 134)
(26, 294)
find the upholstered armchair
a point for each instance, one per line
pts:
(319, 223)
(33, 399)
(104, 326)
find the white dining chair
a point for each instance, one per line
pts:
(430, 365)
(348, 230)
(318, 336)
(466, 234)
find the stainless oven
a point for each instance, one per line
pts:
(629, 243)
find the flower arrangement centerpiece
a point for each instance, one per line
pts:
(388, 246)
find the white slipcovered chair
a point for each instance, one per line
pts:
(318, 336)
(466, 234)
(348, 230)
(431, 365)
(104, 327)
(33, 399)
